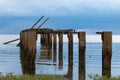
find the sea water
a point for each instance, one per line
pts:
(10, 60)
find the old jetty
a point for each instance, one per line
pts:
(48, 37)
(28, 45)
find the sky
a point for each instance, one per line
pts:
(83, 15)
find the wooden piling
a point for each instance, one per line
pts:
(82, 50)
(106, 53)
(28, 50)
(50, 40)
(46, 40)
(54, 46)
(42, 39)
(50, 45)
(70, 55)
(60, 35)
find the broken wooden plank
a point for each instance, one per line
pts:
(11, 41)
(19, 38)
(37, 22)
(43, 22)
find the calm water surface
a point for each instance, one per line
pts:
(10, 61)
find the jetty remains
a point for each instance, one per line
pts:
(48, 37)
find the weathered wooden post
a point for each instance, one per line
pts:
(42, 39)
(60, 35)
(82, 52)
(106, 53)
(50, 45)
(70, 55)
(46, 40)
(50, 40)
(54, 47)
(28, 50)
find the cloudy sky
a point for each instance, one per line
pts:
(88, 15)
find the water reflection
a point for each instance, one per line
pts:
(46, 58)
(9, 60)
(45, 53)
